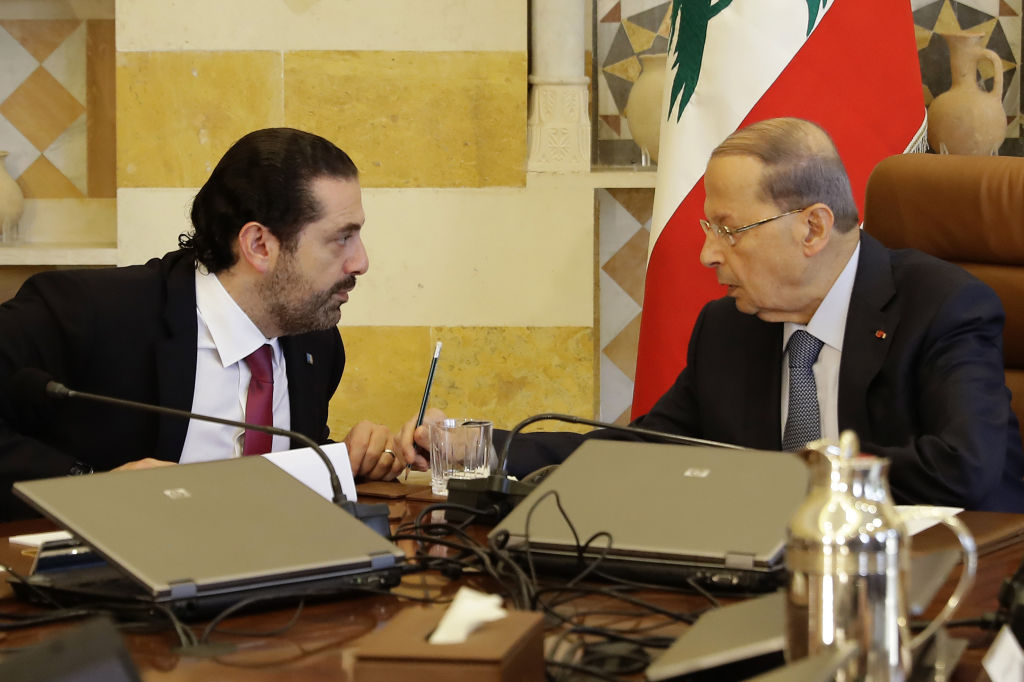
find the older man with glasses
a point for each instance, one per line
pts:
(824, 329)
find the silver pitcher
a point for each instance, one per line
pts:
(847, 553)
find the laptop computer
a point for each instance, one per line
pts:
(199, 537)
(673, 513)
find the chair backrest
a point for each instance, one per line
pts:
(967, 210)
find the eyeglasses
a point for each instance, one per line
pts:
(731, 232)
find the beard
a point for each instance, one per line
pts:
(295, 306)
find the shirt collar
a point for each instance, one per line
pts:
(829, 321)
(234, 335)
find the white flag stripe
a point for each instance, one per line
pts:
(774, 30)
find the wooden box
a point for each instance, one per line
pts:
(507, 650)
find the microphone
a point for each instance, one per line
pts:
(40, 387)
(636, 430)
(500, 493)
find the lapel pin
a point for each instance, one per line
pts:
(309, 358)
(879, 334)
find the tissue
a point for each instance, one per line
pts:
(467, 612)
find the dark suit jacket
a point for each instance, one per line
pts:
(930, 395)
(129, 333)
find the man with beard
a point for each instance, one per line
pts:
(239, 323)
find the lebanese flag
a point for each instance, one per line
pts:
(848, 65)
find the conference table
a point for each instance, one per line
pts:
(322, 641)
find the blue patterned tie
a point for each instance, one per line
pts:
(803, 422)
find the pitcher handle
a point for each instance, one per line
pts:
(997, 69)
(970, 553)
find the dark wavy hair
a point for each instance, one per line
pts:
(265, 177)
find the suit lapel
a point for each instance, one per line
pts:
(299, 364)
(870, 325)
(763, 387)
(176, 355)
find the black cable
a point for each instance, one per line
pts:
(593, 565)
(212, 625)
(407, 597)
(662, 642)
(653, 608)
(586, 670)
(41, 594)
(529, 517)
(694, 586)
(50, 617)
(479, 552)
(493, 564)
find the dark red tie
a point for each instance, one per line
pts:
(259, 403)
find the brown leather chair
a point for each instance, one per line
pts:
(968, 210)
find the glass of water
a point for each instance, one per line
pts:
(459, 448)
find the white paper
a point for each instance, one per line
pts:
(467, 612)
(36, 539)
(917, 517)
(307, 467)
(1004, 661)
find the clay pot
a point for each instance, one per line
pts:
(643, 108)
(966, 119)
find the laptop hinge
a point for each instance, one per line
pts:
(182, 589)
(382, 560)
(739, 560)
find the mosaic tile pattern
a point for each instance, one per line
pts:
(1000, 21)
(624, 224)
(628, 28)
(625, 30)
(57, 106)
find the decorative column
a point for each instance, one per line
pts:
(558, 129)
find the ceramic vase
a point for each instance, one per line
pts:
(643, 108)
(966, 119)
(12, 202)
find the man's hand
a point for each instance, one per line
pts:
(411, 436)
(371, 452)
(147, 463)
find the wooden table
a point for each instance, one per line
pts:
(320, 644)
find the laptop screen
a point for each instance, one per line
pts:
(193, 529)
(663, 503)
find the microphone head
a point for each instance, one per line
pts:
(34, 387)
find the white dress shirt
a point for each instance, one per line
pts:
(828, 324)
(226, 336)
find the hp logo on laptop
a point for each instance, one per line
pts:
(177, 493)
(694, 472)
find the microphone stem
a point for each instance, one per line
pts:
(339, 496)
(571, 419)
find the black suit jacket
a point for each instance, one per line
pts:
(129, 333)
(928, 392)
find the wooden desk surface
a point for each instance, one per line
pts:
(320, 644)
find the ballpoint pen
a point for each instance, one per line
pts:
(423, 403)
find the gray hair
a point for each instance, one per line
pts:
(802, 166)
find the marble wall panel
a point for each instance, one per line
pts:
(451, 119)
(500, 373)
(178, 112)
(416, 25)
